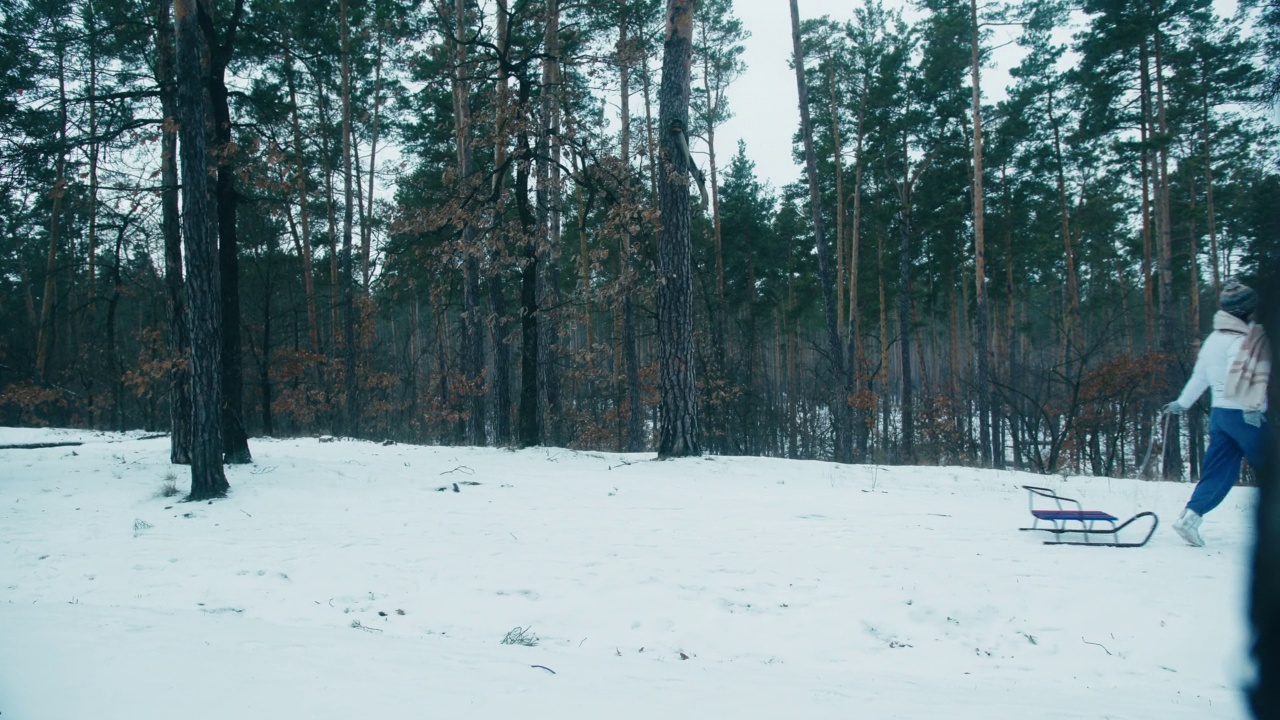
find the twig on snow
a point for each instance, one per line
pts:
(1104, 647)
(544, 667)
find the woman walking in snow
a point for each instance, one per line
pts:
(1234, 363)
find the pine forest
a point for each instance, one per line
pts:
(515, 223)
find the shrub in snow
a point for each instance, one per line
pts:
(520, 636)
(168, 487)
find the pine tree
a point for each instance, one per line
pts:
(841, 386)
(198, 230)
(678, 431)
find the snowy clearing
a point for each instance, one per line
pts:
(349, 579)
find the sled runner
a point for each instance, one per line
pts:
(1086, 523)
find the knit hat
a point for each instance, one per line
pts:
(1238, 298)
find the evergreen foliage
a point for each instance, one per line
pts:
(459, 243)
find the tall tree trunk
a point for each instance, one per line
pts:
(718, 321)
(530, 416)
(907, 453)
(331, 217)
(94, 153)
(175, 305)
(1074, 332)
(235, 439)
(1172, 448)
(351, 342)
(416, 353)
(304, 215)
(1144, 136)
(678, 434)
(884, 343)
(1011, 357)
(630, 355)
(44, 335)
(473, 340)
(366, 229)
(865, 417)
(550, 197)
(1195, 436)
(793, 390)
(841, 390)
(584, 252)
(116, 369)
(981, 342)
(652, 143)
(838, 160)
(264, 356)
(530, 425)
(203, 283)
(718, 317)
(502, 118)
(1209, 208)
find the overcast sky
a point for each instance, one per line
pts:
(763, 100)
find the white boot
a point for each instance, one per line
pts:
(1188, 527)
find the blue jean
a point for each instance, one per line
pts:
(1230, 438)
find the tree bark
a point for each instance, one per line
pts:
(44, 335)
(203, 270)
(351, 342)
(678, 432)
(652, 143)
(234, 437)
(1172, 447)
(304, 215)
(1144, 136)
(712, 111)
(838, 160)
(841, 390)
(94, 153)
(1010, 353)
(884, 342)
(265, 392)
(550, 197)
(981, 341)
(630, 354)
(170, 229)
(1209, 208)
(1075, 331)
(112, 355)
(366, 229)
(1194, 432)
(907, 454)
(530, 423)
(331, 218)
(502, 121)
(473, 333)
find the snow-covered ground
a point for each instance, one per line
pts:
(349, 580)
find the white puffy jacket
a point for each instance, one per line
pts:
(1216, 354)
